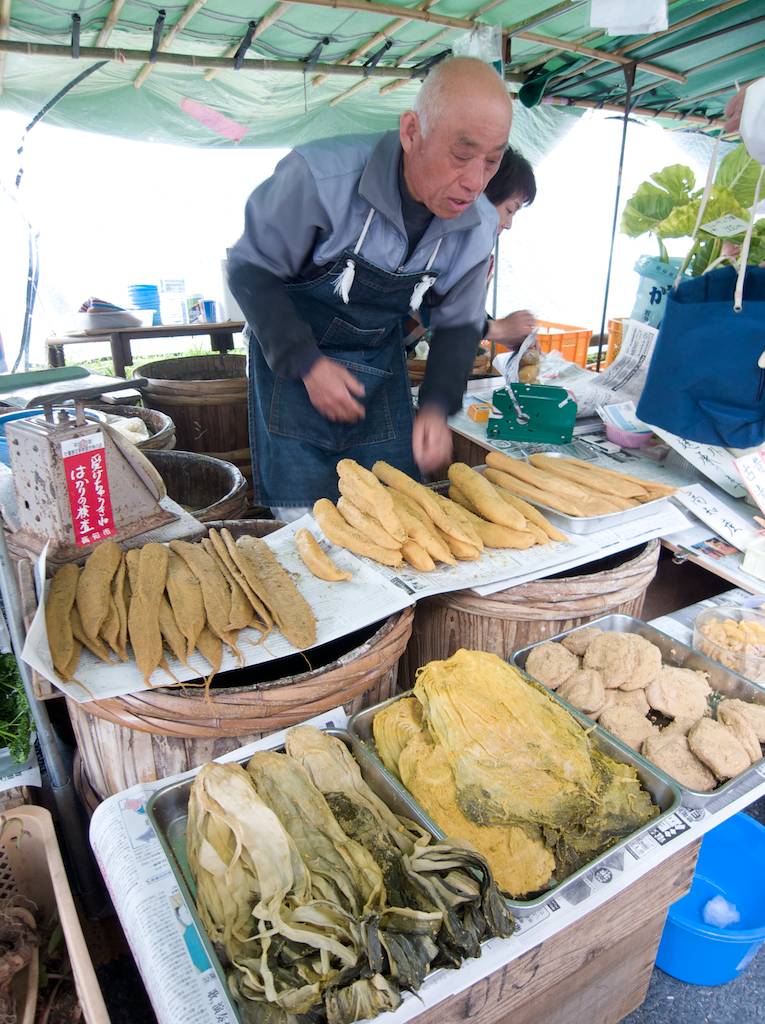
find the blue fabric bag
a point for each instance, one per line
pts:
(706, 381)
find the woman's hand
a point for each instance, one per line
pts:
(513, 328)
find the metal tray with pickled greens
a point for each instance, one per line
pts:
(316, 892)
(686, 705)
(493, 759)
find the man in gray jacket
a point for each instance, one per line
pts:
(347, 236)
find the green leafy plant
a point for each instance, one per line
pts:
(667, 206)
(15, 720)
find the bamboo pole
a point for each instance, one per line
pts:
(706, 65)
(268, 19)
(169, 37)
(573, 101)
(190, 60)
(547, 15)
(111, 20)
(603, 55)
(636, 44)
(693, 100)
(5, 21)
(378, 37)
(542, 58)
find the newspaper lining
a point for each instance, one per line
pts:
(182, 983)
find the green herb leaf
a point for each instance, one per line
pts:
(738, 173)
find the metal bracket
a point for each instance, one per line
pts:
(76, 21)
(157, 35)
(244, 46)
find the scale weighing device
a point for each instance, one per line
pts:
(77, 481)
(535, 413)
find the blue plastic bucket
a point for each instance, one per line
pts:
(730, 865)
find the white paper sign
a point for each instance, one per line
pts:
(736, 529)
(752, 470)
(717, 464)
(726, 226)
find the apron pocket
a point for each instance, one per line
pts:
(292, 415)
(344, 337)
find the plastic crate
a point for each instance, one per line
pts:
(572, 342)
(31, 865)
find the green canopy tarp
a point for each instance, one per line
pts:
(709, 45)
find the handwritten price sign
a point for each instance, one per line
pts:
(752, 470)
(88, 486)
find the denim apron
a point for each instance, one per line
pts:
(355, 311)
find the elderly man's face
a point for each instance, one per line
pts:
(448, 168)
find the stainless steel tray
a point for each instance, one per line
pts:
(664, 793)
(167, 810)
(721, 679)
(592, 524)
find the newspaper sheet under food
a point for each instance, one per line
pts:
(183, 985)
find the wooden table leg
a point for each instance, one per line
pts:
(56, 355)
(222, 343)
(122, 355)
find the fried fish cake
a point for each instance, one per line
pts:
(671, 753)
(647, 663)
(584, 689)
(718, 748)
(626, 660)
(631, 699)
(551, 664)
(733, 719)
(753, 713)
(579, 641)
(628, 724)
(679, 693)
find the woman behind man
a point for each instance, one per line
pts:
(511, 188)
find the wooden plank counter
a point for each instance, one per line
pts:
(596, 971)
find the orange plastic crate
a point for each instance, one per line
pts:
(572, 342)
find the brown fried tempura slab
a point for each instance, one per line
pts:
(58, 609)
(292, 613)
(671, 753)
(97, 646)
(647, 663)
(215, 590)
(185, 594)
(718, 748)
(551, 664)
(95, 584)
(143, 614)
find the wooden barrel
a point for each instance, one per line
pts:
(208, 488)
(156, 733)
(416, 367)
(160, 426)
(513, 618)
(206, 397)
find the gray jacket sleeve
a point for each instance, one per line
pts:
(457, 323)
(283, 218)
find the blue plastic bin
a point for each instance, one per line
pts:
(730, 865)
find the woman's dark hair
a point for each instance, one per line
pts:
(514, 175)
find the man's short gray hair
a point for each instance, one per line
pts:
(453, 73)
(429, 100)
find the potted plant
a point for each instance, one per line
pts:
(667, 206)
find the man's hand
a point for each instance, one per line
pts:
(331, 389)
(515, 327)
(733, 110)
(431, 440)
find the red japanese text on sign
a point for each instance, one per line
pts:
(88, 486)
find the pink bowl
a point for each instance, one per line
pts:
(628, 438)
